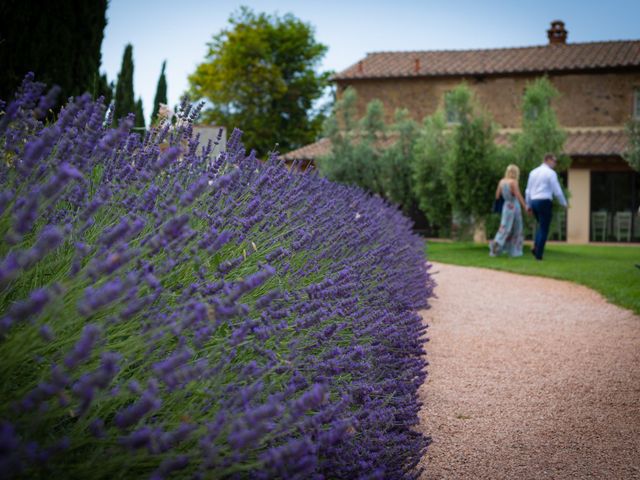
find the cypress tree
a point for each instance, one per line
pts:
(59, 41)
(104, 89)
(124, 101)
(139, 115)
(161, 93)
(90, 20)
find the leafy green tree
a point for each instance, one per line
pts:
(260, 75)
(355, 156)
(541, 132)
(124, 100)
(431, 155)
(370, 154)
(59, 41)
(472, 170)
(397, 162)
(632, 154)
(339, 127)
(139, 115)
(161, 93)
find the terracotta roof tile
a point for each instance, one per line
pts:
(579, 143)
(309, 152)
(546, 58)
(598, 143)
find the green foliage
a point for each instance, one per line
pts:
(431, 154)
(104, 89)
(369, 153)
(398, 159)
(260, 75)
(59, 41)
(139, 115)
(541, 132)
(632, 154)
(124, 100)
(161, 94)
(472, 167)
(355, 156)
(458, 104)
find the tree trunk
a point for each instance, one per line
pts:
(480, 231)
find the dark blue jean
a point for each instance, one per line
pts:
(542, 211)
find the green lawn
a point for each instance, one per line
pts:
(608, 269)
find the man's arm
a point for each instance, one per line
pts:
(527, 193)
(557, 190)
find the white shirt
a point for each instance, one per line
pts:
(543, 185)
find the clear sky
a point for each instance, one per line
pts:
(178, 30)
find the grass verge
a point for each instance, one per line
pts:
(609, 270)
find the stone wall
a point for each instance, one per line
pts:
(586, 99)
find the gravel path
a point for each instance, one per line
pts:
(529, 378)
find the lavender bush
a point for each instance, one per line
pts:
(169, 314)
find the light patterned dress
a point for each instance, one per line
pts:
(510, 236)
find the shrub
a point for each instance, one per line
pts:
(431, 155)
(166, 313)
(397, 160)
(632, 153)
(356, 154)
(541, 132)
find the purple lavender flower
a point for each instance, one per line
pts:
(47, 101)
(46, 332)
(175, 226)
(95, 298)
(194, 191)
(96, 427)
(5, 197)
(168, 157)
(241, 313)
(116, 233)
(26, 212)
(83, 348)
(10, 464)
(168, 440)
(9, 268)
(310, 399)
(170, 465)
(58, 181)
(141, 438)
(173, 362)
(50, 238)
(128, 417)
(25, 309)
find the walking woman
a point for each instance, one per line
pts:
(510, 236)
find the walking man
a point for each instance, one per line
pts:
(542, 187)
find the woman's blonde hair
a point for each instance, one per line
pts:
(512, 171)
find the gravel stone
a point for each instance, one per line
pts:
(529, 377)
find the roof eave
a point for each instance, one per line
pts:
(537, 71)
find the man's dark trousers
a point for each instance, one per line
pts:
(542, 211)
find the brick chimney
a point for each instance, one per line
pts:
(557, 33)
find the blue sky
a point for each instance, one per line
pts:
(178, 31)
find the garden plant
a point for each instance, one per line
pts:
(169, 314)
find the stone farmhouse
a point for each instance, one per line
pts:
(599, 85)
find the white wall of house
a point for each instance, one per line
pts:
(579, 183)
